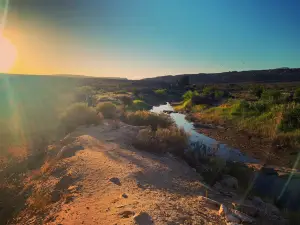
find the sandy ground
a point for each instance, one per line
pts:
(113, 183)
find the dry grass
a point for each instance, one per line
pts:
(146, 118)
(108, 110)
(79, 114)
(172, 139)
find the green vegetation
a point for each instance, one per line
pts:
(108, 110)
(161, 92)
(257, 90)
(79, 114)
(138, 105)
(172, 139)
(146, 118)
(277, 122)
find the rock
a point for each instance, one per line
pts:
(242, 216)
(247, 209)
(232, 219)
(229, 181)
(126, 214)
(115, 180)
(258, 202)
(55, 196)
(212, 203)
(143, 218)
(124, 195)
(223, 211)
(271, 209)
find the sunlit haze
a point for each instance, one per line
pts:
(137, 39)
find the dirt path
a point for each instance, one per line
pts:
(115, 182)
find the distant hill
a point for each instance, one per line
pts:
(269, 75)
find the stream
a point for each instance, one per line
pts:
(222, 150)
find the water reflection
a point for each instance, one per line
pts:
(222, 150)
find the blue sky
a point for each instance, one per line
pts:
(143, 38)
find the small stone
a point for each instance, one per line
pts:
(124, 195)
(87, 207)
(115, 180)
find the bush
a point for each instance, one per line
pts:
(126, 100)
(208, 90)
(219, 94)
(271, 95)
(161, 92)
(146, 118)
(139, 105)
(189, 95)
(172, 139)
(108, 110)
(290, 120)
(297, 94)
(257, 90)
(79, 114)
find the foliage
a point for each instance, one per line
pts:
(126, 100)
(297, 94)
(290, 120)
(79, 114)
(257, 90)
(271, 95)
(138, 105)
(108, 110)
(161, 92)
(146, 118)
(219, 94)
(171, 139)
(185, 105)
(208, 90)
(198, 108)
(189, 95)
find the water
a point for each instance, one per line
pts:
(223, 150)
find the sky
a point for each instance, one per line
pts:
(146, 38)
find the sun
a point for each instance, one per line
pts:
(8, 54)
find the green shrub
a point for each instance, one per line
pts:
(146, 118)
(219, 94)
(139, 105)
(271, 95)
(297, 94)
(208, 90)
(161, 92)
(257, 90)
(172, 139)
(79, 114)
(290, 120)
(108, 110)
(189, 95)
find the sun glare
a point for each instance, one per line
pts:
(8, 54)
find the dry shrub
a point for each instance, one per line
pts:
(79, 114)
(145, 118)
(108, 110)
(172, 139)
(40, 199)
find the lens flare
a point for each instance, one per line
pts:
(8, 54)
